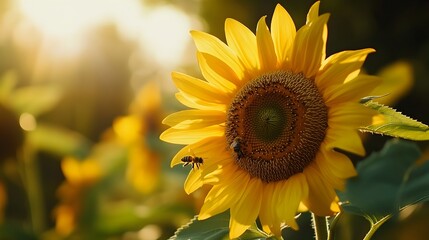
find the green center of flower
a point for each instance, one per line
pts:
(267, 120)
(276, 124)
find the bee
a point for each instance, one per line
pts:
(236, 145)
(195, 161)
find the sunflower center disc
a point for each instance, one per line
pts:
(276, 124)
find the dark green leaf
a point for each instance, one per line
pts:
(214, 228)
(387, 181)
(13, 231)
(416, 185)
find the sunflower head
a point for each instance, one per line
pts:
(268, 118)
(280, 120)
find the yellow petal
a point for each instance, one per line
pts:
(217, 72)
(207, 43)
(71, 169)
(313, 13)
(213, 167)
(187, 119)
(292, 192)
(309, 49)
(321, 197)
(198, 88)
(243, 42)
(219, 168)
(217, 162)
(186, 136)
(345, 139)
(193, 181)
(283, 32)
(266, 52)
(341, 67)
(128, 129)
(208, 174)
(268, 216)
(143, 170)
(222, 197)
(350, 114)
(323, 167)
(202, 148)
(193, 102)
(246, 210)
(302, 207)
(397, 81)
(352, 91)
(338, 164)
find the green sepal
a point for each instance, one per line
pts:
(395, 124)
(215, 228)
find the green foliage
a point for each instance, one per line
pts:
(395, 124)
(387, 181)
(13, 231)
(59, 141)
(8, 82)
(214, 228)
(35, 99)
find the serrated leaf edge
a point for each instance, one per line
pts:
(183, 227)
(382, 109)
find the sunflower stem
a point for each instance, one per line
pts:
(320, 225)
(31, 179)
(375, 226)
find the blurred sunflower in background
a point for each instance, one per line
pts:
(122, 172)
(269, 119)
(80, 176)
(135, 131)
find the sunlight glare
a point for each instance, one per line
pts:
(64, 23)
(166, 34)
(162, 31)
(27, 122)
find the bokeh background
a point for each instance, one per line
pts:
(85, 84)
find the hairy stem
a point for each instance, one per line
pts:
(320, 225)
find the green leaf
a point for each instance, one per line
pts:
(395, 124)
(7, 83)
(10, 230)
(58, 140)
(214, 228)
(35, 99)
(415, 187)
(387, 181)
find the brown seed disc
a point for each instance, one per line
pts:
(275, 125)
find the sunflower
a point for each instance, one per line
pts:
(134, 132)
(80, 176)
(271, 121)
